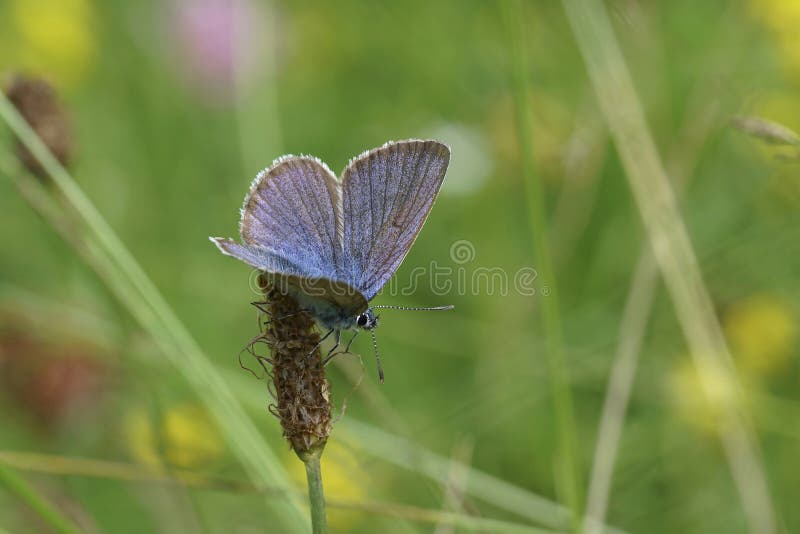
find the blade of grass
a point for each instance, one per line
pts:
(477, 524)
(61, 465)
(700, 118)
(671, 245)
(453, 488)
(89, 467)
(584, 159)
(158, 319)
(567, 458)
(402, 452)
(504, 495)
(30, 496)
(620, 382)
(91, 253)
(37, 196)
(383, 445)
(41, 201)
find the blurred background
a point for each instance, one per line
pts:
(174, 106)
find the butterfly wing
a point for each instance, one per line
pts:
(292, 229)
(261, 258)
(387, 194)
(294, 209)
(331, 300)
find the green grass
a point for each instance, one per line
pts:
(36, 501)
(567, 458)
(671, 245)
(127, 280)
(116, 312)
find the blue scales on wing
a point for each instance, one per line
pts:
(387, 194)
(291, 226)
(293, 208)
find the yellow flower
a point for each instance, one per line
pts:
(343, 478)
(184, 437)
(51, 37)
(762, 330)
(701, 398)
(140, 438)
(782, 17)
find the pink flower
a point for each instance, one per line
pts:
(218, 43)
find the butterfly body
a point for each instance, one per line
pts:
(334, 243)
(339, 314)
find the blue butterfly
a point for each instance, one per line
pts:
(333, 244)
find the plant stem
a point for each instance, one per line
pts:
(700, 119)
(672, 248)
(49, 513)
(88, 467)
(568, 477)
(150, 309)
(316, 497)
(404, 453)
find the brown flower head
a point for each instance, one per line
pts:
(37, 102)
(301, 389)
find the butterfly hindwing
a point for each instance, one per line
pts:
(261, 258)
(332, 301)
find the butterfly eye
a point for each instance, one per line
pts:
(361, 320)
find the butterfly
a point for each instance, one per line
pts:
(333, 243)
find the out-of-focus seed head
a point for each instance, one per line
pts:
(59, 386)
(766, 130)
(37, 101)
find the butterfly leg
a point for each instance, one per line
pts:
(272, 318)
(320, 341)
(335, 346)
(350, 343)
(285, 316)
(346, 350)
(261, 306)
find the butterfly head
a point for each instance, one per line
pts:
(367, 320)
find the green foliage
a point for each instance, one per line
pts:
(166, 154)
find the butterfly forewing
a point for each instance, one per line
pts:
(387, 194)
(294, 210)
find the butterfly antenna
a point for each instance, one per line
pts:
(377, 358)
(414, 308)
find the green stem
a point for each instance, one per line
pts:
(85, 467)
(156, 316)
(568, 477)
(316, 497)
(27, 493)
(672, 249)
